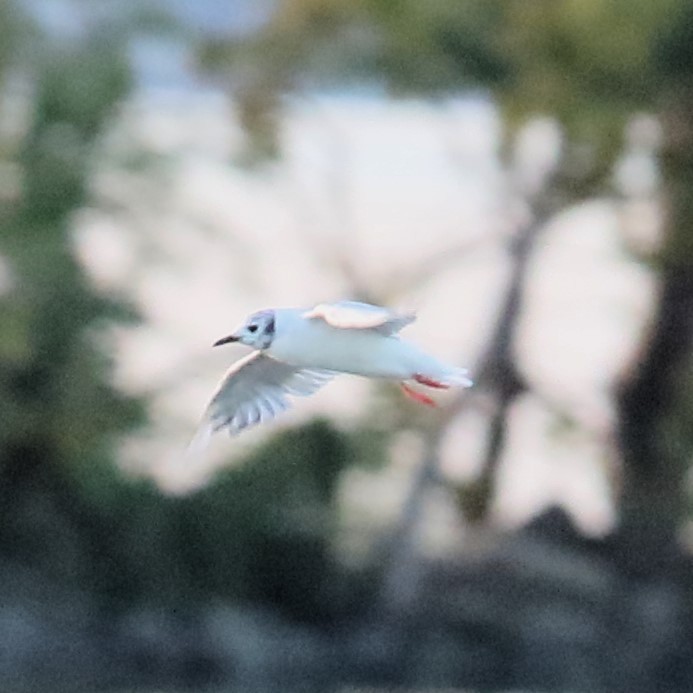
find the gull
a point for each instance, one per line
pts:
(298, 350)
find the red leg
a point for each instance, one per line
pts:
(417, 396)
(429, 382)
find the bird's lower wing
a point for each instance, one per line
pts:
(354, 315)
(255, 390)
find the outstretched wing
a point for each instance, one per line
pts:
(255, 390)
(354, 315)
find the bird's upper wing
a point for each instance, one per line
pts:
(255, 389)
(353, 315)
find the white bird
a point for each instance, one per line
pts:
(297, 351)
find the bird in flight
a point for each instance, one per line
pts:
(298, 350)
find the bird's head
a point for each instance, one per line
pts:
(257, 331)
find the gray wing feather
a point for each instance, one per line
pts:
(354, 315)
(254, 390)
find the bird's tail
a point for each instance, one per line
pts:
(457, 377)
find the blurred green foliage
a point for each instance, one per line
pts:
(59, 413)
(263, 531)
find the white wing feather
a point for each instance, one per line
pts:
(254, 390)
(354, 315)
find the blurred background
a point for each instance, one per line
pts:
(519, 172)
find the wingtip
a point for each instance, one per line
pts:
(460, 378)
(200, 441)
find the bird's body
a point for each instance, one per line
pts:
(366, 352)
(299, 350)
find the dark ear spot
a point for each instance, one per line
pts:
(268, 333)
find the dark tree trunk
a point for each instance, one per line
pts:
(654, 403)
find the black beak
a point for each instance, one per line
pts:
(226, 340)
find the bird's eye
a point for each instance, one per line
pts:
(252, 328)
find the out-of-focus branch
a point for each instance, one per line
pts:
(497, 376)
(497, 371)
(401, 578)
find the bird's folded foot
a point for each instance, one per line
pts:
(424, 380)
(417, 396)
